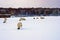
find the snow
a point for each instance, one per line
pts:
(32, 29)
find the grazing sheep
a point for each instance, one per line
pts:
(41, 17)
(5, 19)
(34, 18)
(22, 19)
(37, 18)
(19, 25)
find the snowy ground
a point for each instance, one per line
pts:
(33, 29)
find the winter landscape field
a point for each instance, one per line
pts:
(32, 29)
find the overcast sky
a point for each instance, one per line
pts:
(30, 3)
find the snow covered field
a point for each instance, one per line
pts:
(33, 29)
